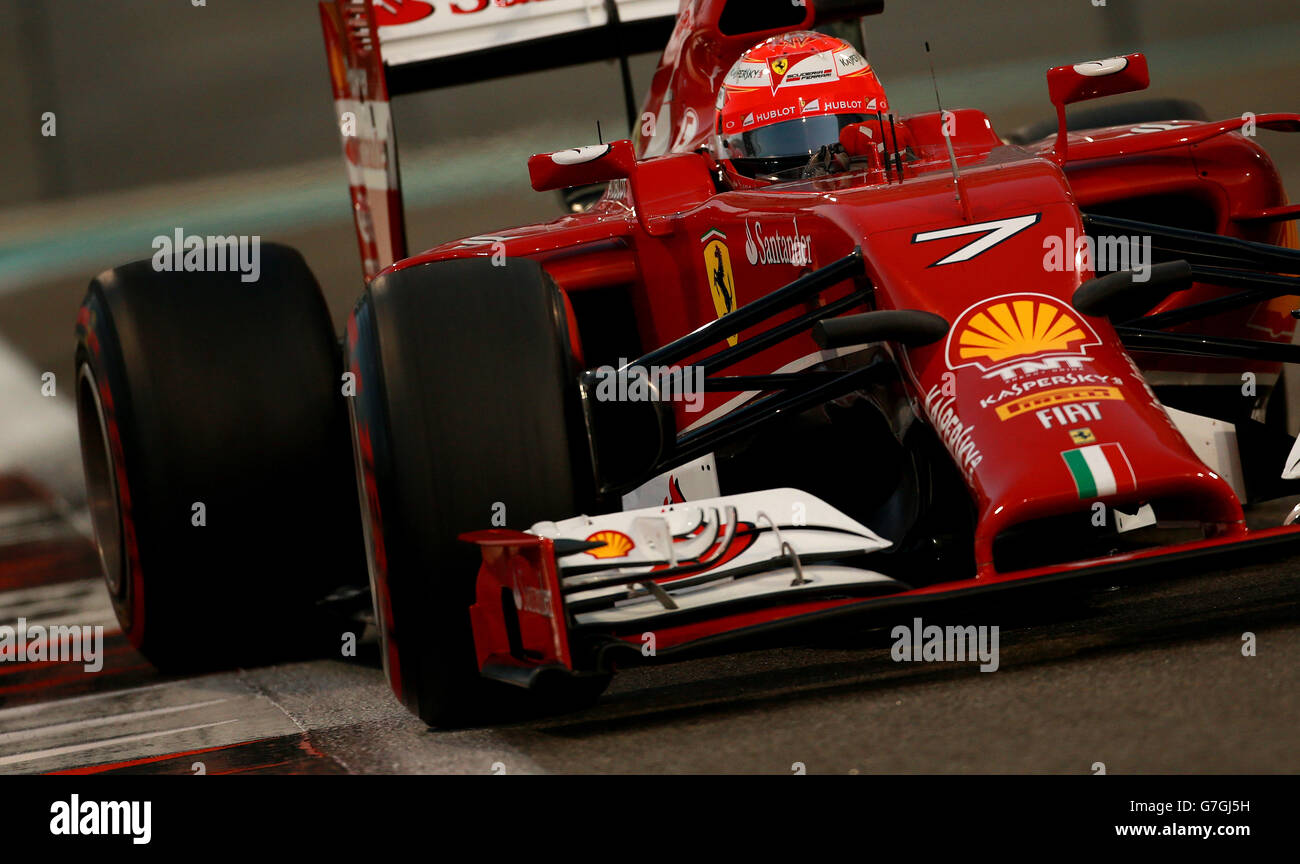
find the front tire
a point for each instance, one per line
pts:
(466, 410)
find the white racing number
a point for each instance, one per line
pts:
(992, 233)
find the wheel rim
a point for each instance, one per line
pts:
(101, 485)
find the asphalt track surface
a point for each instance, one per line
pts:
(1148, 677)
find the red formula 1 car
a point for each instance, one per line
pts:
(760, 379)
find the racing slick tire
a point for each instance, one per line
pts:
(466, 409)
(215, 446)
(1143, 111)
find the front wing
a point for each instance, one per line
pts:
(578, 596)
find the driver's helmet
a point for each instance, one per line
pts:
(787, 98)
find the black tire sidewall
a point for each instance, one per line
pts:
(227, 394)
(467, 402)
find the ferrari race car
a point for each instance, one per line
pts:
(746, 384)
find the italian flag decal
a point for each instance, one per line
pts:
(1099, 470)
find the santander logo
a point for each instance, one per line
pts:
(777, 248)
(390, 13)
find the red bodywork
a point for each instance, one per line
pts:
(649, 235)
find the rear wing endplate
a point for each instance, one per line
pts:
(366, 129)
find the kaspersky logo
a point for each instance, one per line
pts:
(1000, 332)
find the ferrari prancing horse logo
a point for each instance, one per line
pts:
(779, 67)
(717, 267)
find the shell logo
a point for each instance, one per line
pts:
(1002, 329)
(617, 544)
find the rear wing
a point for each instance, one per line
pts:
(475, 40)
(382, 48)
(378, 49)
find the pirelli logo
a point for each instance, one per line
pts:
(1059, 396)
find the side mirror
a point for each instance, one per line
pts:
(1093, 80)
(910, 327)
(1098, 78)
(582, 166)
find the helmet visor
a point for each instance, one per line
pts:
(800, 137)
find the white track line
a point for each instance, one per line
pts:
(36, 607)
(55, 613)
(34, 755)
(86, 603)
(72, 725)
(48, 592)
(47, 707)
